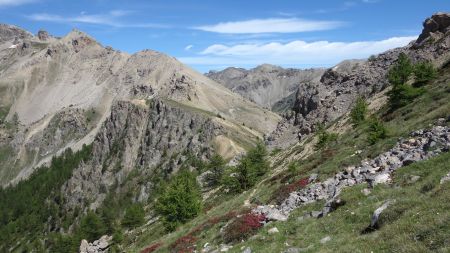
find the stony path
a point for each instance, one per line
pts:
(421, 145)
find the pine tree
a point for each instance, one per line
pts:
(181, 200)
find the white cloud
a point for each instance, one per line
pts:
(188, 47)
(319, 53)
(271, 25)
(14, 2)
(109, 19)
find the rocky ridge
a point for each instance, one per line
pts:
(421, 145)
(340, 86)
(267, 85)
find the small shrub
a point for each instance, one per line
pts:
(292, 167)
(184, 244)
(424, 72)
(217, 167)
(372, 58)
(243, 227)
(325, 137)
(283, 192)
(92, 227)
(377, 130)
(134, 216)
(401, 71)
(152, 248)
(402, 94)
(359, 112)
(249, 170)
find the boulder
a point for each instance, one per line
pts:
(325, 239)
(43, 35)
(273, 230)
(374, 222)
(446, 178)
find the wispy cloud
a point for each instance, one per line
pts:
(271, 25)
(14, 2)
(297, 52)
(370, 1)
(188, 47)
(109, 19)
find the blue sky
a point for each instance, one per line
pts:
(216, 34)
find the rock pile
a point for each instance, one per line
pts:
(421, 145)
(99, 246)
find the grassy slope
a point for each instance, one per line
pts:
(417, 209)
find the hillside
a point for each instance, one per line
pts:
(102, 151)
(56, 93)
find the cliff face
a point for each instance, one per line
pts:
(143, 138)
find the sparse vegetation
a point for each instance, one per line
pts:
(216, 167)
(358, 113)
(249, 170)
(134, 216)
(423, 73)
(324, 137)
(377, 130)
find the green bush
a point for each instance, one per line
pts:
(217, 167)
(180, 201)
(249, 170)
(92, 227)
(377, 130)
(359, 112)
(402, 94)
(423, 73)
(325, 138)
(401, 71)
(134, 216)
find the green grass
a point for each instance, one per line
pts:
(418, 221)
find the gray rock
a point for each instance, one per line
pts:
(247, 250)
(325, 239)
(376, 216)
(273, 230)
(446, 178)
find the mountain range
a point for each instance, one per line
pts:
(92, 137)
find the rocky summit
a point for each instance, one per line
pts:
(106, 151)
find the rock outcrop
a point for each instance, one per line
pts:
(98, 246)
(145, 139)
(434, 28)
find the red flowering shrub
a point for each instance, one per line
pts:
(152, 248)
(185, 244)
(243, 227)
(283, 192)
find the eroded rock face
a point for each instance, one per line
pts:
(434, 27)
(10, 32)
(139, 137)
(43, 35)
